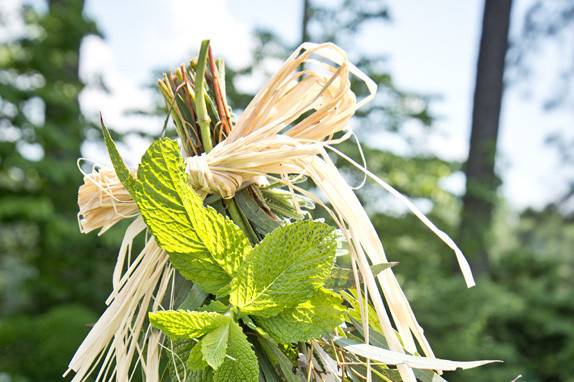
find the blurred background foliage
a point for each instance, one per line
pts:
(53, 281)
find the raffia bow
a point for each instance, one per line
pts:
(270, 139)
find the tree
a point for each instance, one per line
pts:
(43, 256)
(481, 180)
(40, 86)
(549, 25)
(546, 23)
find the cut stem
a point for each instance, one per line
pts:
(203, 119)
(219, 99)
(240, 220)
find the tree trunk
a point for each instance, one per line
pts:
(481, 180)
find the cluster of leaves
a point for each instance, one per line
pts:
(276, 287)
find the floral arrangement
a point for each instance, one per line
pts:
(235, 280)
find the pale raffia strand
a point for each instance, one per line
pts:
(115, 340)
(272, 140)
(103, 201)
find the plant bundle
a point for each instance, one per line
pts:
(234, 280)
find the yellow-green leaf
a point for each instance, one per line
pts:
(241, 365)
(310, 319)
(195, 361)
(122, 171)
(214, 346)
(204, 246)
(186, 324)
(284, 269)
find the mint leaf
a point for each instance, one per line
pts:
(241, 365)
(214, 346)
(284, 269)
(186, 324)
(204, 246)
(176, 357)
(122, 171)
(214, 306)
(310, 319)
(203, 375)
(195, 360)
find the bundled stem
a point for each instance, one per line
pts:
(202, 116)
(219, 97)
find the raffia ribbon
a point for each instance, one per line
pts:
(271, 139)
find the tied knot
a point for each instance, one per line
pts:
(207, 180)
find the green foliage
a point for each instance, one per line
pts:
(308, 320)
(195, 361)
(214, 306)
(281, 276)
(241, 365)
(238, 363)
(214, 346)
(46, 342)
(185, 324)
(40, 113)
(223, 345)
(53, 279)
(121, 170)
(521, 315)
(205, 246)
(284, 269)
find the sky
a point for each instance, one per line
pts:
(431, 49)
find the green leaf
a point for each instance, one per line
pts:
(282, 203)
(214, 306)
(284, 269)
(241, 365)
(203, 375)
(204, 246)
(120, 167)
(214, 346)
(195, 369)
(195, 360)
(310, 319)
(194, 298)
(249, 200)
(352, 298)
(186, 324)
(176, 357)
(282, 363)
(378, 268)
